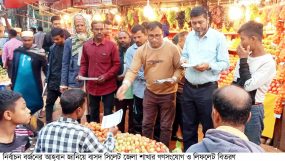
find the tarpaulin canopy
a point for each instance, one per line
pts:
(17, 3)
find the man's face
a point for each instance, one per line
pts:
(97, 30)
(80, 26)
(200, 24)
(246, 40)
(56, 24)
(139, 38)
(58, 40)
(27, 42)
(155, 37)
(108, 30)
(21, 114)
(181, 41)
(124, 39)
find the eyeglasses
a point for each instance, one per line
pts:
(157, 36)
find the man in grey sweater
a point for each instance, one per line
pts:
(231, 111)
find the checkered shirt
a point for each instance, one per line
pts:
(68, 136)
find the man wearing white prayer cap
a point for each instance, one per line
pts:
(26, 78)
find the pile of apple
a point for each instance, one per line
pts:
(130, 143)
(280, 100)
(227, 77)
(100, 133)
(274, 87)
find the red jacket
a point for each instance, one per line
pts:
(100, 59)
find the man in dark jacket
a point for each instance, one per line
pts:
(231, 111)
(55, 21)
(124, 40)
(54, 71)
(28, 61)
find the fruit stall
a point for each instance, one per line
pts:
(226, 16)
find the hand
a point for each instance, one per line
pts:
(101, 79)
(77, 78)
(120, 78)
(242, 52)
(202, 67)
(63, 89)
(182, 61)
(121, 92)
(114, 130)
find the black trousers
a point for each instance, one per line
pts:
(138, 115)
(178, 121)
(124, 105)
(94, 106)
(52, 96)
(196, 108)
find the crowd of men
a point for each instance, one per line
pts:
(141, 72)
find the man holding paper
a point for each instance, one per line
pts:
(161, 62)
(66, 135)
(206, 55)
(100, 60)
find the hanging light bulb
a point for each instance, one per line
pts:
(235, 13)
(118, 18)
(148, 11)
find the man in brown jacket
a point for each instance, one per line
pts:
(160, 60)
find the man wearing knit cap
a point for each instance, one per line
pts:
(72, 54)
(26, 72)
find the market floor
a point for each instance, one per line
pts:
(57, 113)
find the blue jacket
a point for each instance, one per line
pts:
(70, 69)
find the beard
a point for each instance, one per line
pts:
(82, 36)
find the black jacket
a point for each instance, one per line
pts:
(38, 62)
(54, 68)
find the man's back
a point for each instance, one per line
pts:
(67, 135)
(222, 141)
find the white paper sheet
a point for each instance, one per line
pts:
(185, 65)
(160, 81)
(112, 119)
(87, 78)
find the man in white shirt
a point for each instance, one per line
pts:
(254, 72)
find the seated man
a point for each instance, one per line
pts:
(231, 111)
(13, 112)
(67, 135)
